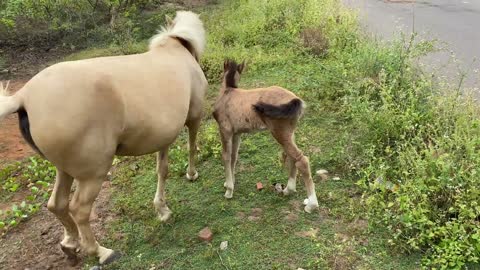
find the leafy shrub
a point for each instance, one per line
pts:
(37, 178)
(414, 150)
(417, 154)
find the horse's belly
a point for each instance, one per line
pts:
(148, 141)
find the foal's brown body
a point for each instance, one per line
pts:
(275, 109)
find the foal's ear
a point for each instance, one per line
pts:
(226, 64)
(241, 67)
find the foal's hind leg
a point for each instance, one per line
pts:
(286, 139)
(292, 176)
(160, 202)
(193, 126)
(58, 204)
(81, 206)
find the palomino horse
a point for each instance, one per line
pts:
(240, 111)
(80, 114)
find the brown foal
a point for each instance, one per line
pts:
(240, 111)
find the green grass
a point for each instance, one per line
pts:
(342, 237)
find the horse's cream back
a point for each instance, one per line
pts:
(135, 104)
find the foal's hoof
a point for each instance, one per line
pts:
(192, 178)
(310, 206)
(228, 194)
(288, 191)
(164, 215)
(109, 257)
(71, 253)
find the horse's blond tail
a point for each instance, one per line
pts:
(8, 104)
(186, 26)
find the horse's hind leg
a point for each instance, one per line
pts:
(58, 204)
(193, 126)
(81, 206)
(160, 202)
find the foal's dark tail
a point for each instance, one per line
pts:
(291, 110)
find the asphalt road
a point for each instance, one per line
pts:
(455, 23)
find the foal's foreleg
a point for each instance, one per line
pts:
(193, 126)
(160, 201)
(235, 147)
(227, 162)
(81, 206)
(58, 204)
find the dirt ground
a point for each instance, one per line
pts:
(35, 244)
(12, 145)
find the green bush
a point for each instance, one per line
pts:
(414, 150)
(417, 154)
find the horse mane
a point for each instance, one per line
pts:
(230, 74)
(188, 29)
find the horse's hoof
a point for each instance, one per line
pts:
(71, 253)
(109, 257)
(192, 178)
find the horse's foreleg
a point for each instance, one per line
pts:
(227, 162)
(160, 202)
(58, 204)
(80, 207)
(193, 126)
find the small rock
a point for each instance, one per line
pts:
(259, 186)
(323, 174)
(278, 188)
(224, 245)
(96, 267)
(336, 178)
(205, 234)
(4, 71)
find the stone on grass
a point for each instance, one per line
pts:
(205, 234)
(259, 186)
(336, 178)
(224, 245)
(323, 174)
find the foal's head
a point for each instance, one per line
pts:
(231, 73)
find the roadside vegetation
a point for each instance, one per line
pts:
(402, 150)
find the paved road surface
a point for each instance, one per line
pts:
(455, 22)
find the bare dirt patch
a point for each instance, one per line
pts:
(35, 244)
